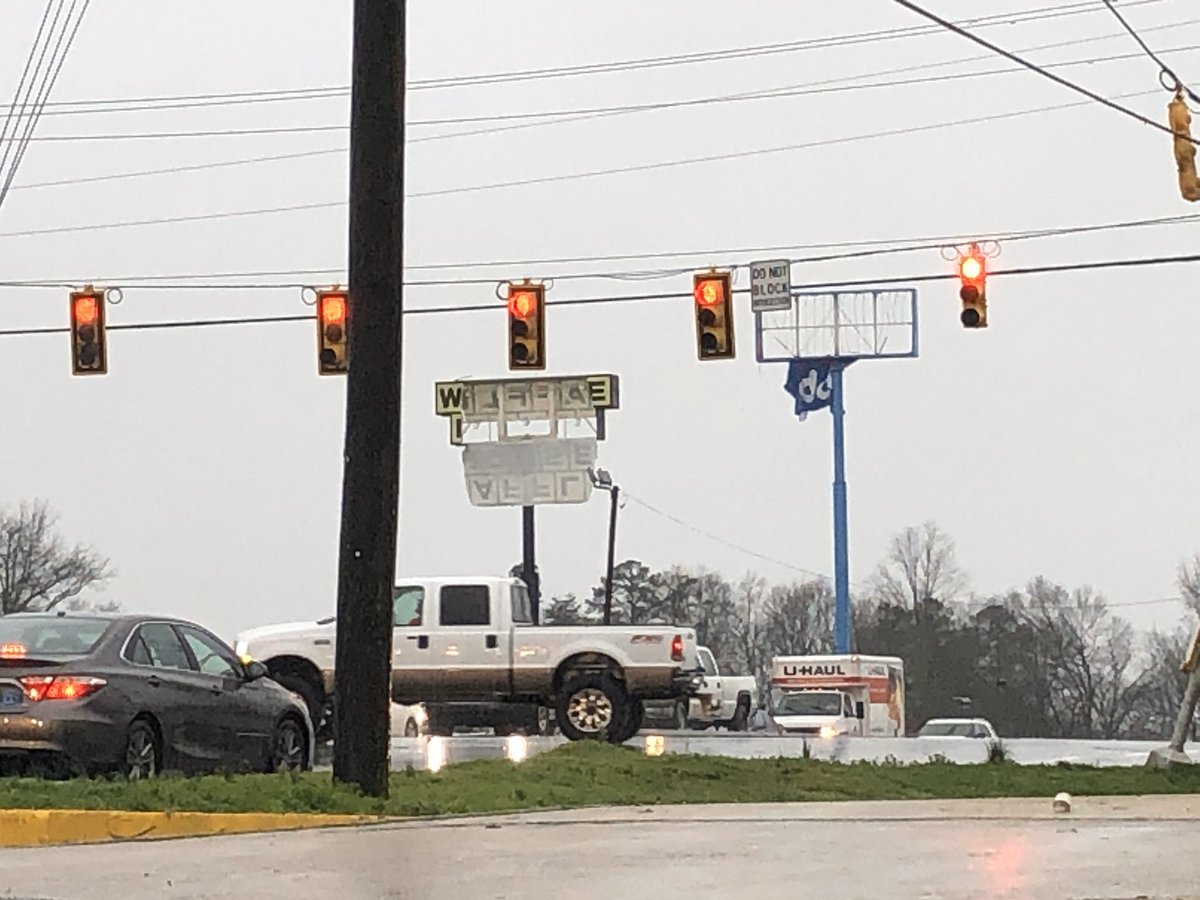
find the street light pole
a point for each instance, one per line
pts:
(603, 481)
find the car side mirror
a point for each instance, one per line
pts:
(859, 711)
(255, 670)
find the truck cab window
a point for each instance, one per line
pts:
(522, 608)
(407, 603)
(707, 661)
(464, 604)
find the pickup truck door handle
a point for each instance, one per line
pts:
(490, 642)
(421, 639)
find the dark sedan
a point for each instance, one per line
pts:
(138, 695)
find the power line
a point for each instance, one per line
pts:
(763, 94)
(636, 298)
(746, 154)
(595, 173)
(1164, 69)
(172, 170)
(563, 117)
(191, 101)
(1091, 95)
(706, 56)
(723, 541)
(866, 248)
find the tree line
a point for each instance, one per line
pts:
(1042, 661)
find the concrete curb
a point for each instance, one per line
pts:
(45, 827)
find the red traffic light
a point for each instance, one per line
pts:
(333, 309)
(710, 291)
(970, 268)
(86, 310)
(522, 304)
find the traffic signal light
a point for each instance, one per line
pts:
(526, 326)
(972, 273)
(1180, 120)
(89, 351)
(714, 315)
(333, 310)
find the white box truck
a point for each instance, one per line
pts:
(829, 695)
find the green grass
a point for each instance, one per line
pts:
(587, 774)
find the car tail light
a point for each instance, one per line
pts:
(62, 687)
(677, 647)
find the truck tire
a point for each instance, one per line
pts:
(741, 717)
(591, 707)
(679, 715)
(635, 713)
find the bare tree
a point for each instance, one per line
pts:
(37, 570)
(1189, 582)
(799, 619)
(920, 565)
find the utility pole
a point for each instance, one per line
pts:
(603, 481)
(371, 475)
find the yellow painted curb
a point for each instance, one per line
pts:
(42, 827)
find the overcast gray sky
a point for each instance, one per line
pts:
(1060, 441)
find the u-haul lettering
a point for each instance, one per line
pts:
(811, 671)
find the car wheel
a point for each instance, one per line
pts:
(591, 707)
(301, 686)
(411, 729)
(289, 750)
(143, 752)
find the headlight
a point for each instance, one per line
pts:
(828, 731)
(239, 647)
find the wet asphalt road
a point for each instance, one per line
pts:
(1105, 848)
(426, 752)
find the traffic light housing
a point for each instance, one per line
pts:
(972, 274)
(1180, 120)
(333, 347)
(89, 341)
(714, 315)
(526, 326)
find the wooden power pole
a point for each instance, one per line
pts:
(371, 477)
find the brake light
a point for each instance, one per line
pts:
(10, 651)
(64, 687)
(677, 648)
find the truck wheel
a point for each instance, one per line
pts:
(679, 715)
(635, 714)
(741, 718)
(591, 707)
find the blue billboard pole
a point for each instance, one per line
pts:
(818, 334)
(841, 530)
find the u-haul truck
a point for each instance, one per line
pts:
(832, 694)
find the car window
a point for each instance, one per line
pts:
(50, 635)
(407, 603)
(464, 604)
(522, 608)
(707, 661)
(163, 646)
(138, 653)
(212, 658)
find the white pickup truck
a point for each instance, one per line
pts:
(472, 640)
(722, 700)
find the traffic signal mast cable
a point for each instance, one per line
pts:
(1033, 67)
(625, 298)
